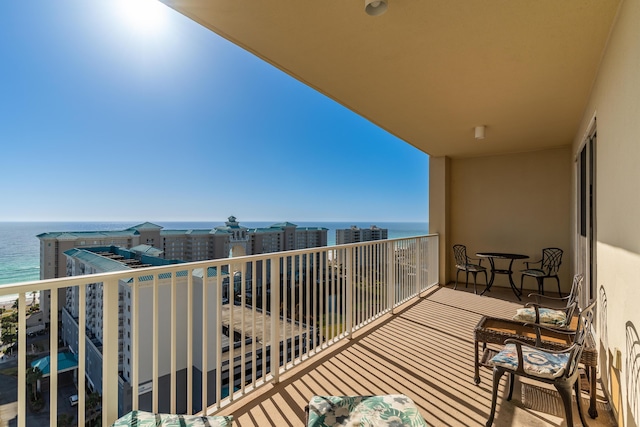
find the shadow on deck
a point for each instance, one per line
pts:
(425, 351)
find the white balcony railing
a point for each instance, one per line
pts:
(223, 318)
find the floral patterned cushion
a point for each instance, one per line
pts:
(547, 316)
(395, 410)
(536, 362)
(148, 419)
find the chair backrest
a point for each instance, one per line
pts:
(460, 253)
(551, 260)
(574, 295)
(582, 332)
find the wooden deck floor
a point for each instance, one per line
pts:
(425, 351)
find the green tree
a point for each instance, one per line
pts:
(65, 420)
(33, 376)
(9, 334)
(93, 414)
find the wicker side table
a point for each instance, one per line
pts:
(493, 330)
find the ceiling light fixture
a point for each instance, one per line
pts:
(479, 132)
(375, 7)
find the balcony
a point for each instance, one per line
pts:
(364, 318)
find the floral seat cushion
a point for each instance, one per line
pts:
(148, 419)
(471, 267)
(536, 362)
(547, 316)
(394, 410)
(535, 272)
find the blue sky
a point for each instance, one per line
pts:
(125, 110)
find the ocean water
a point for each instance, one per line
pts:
(20, 248)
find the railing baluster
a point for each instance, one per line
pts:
(22, 357)
(349, 293)
(53, 354)
(254, 334)
(243, 326)
(156, 344)
(265, 280)
(205, 341)
(110, 375)
(135, 343)
(232, 339)
(82, 315)
(285, 310)
(190, 341)
(275, 302)
(218, 331)
(174, 343)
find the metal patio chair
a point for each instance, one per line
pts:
(556, 367)
(463, 263)
(552, 311)
(549, 266)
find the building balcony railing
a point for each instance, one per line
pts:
(208, 328)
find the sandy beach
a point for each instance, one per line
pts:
(6, 302)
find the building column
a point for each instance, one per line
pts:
(439, 210)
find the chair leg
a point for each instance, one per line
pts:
(576, 386)
(540, 285)
(497, 374)
(475, 274)
(466, 280)
(559, 291)
(456, 285)
(564, 389)
(512, 379)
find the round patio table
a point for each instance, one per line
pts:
(492, 256)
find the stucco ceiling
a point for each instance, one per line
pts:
(429, 71)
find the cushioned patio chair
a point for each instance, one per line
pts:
(363, 411)
(556, 367)
(549, 266)
(463, 263)
(149, 419)
(558, 315)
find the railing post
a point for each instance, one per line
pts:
(391, 285)
(82, 347)
(110, 315)
(418, 262)
(53, 360)
(436, 257)
(22, 359)
(349, 292)
(275, 316)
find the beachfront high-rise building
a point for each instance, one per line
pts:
(82, 261)
(231, 239)
(112, 258)
(355, 234)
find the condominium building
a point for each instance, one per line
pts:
(230, 239)
(356, 234)
(82, 261)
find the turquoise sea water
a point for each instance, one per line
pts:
(20, 248)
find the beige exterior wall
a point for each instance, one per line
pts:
(517, 203)
(439, 208)
(615, 101)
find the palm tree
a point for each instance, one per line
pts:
(33, 376)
